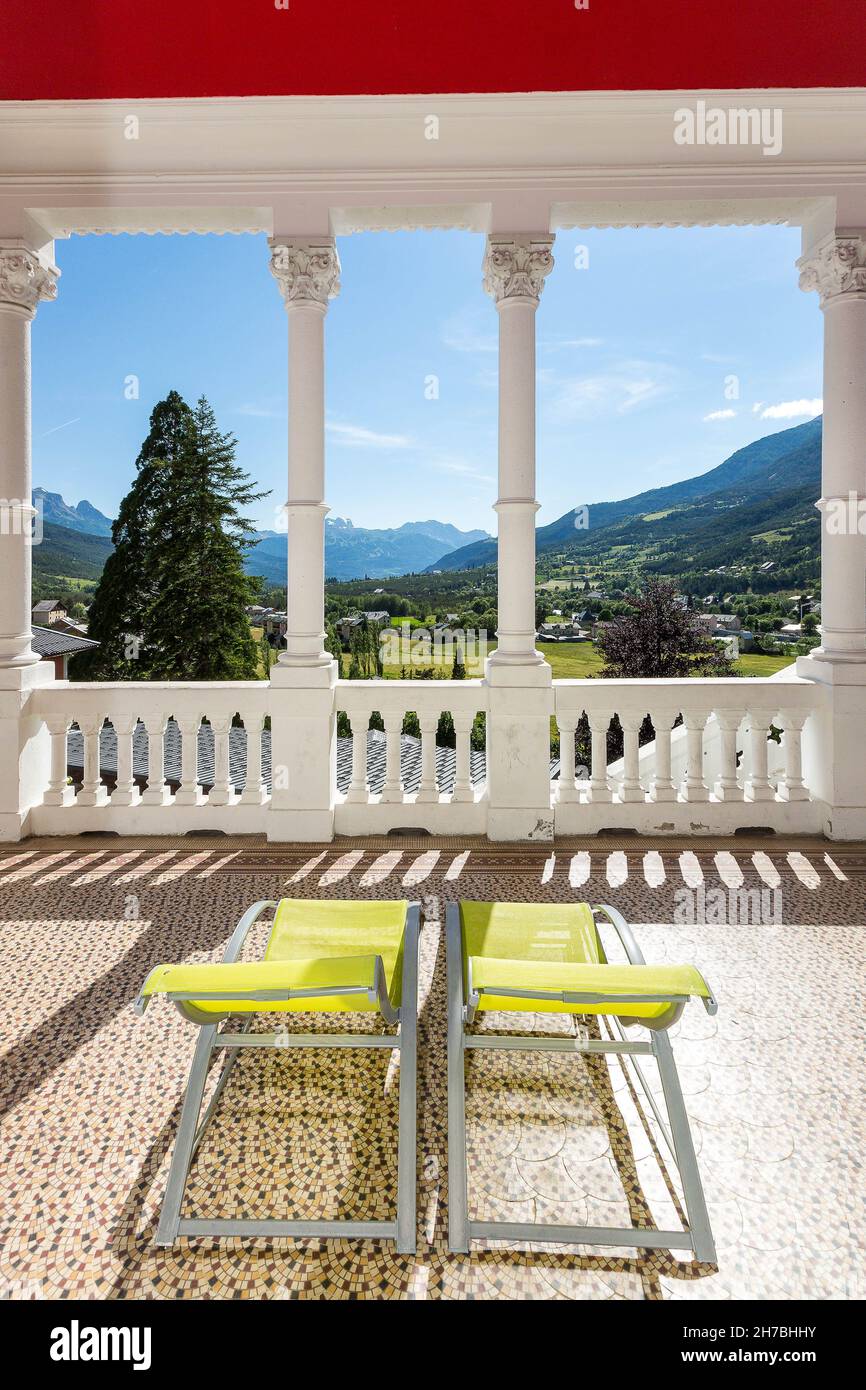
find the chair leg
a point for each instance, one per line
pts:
(458, 1184)
(696, 1207)
(169, 1219)
(407, 1175)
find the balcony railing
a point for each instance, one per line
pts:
(169, 758)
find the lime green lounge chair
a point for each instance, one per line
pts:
(321, 956)
(548, 958)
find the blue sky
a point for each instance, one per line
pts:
(635, 356)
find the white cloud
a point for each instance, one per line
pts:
(791, 410)
(559, 344)
(759, 405)
(458, 467)
(359, 437)
(626, 386)
(720, 415)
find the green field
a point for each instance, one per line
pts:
(577, 660)
(570, 661)
(756, 664)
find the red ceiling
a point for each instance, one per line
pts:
(54, 49)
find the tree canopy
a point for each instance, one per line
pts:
(170, 603)
(660, 638)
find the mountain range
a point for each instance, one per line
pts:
(85, 517)
(758, 505)
(351, 552)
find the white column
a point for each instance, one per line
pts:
(93, 792)
(157, 792)
(393, 788)
(125, 792)
(462, 789)
(631, 789)
(24, 281)
(514, 270)
(428, 789)
(59, 792)
(308, 276)
(792, 787)
(758, 784)
(189, 793)
(360, 721)
(567, 791)
(599, 785)
(694, 788)
(727, 787)
(303, 717)
(520, 700)
(663, 788)
(222, 793)
(837, 270)
(25, 756)
(834, 750)
(255, 793)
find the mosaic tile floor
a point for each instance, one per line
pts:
(91, 1095)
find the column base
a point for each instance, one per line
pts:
(222, 798)
(61, 798)
(792, 793)
(154, 796)
(567, 795)
(97, 798)
(132, 798)
(185, 797)
(628, 794)
(725, 793)
(759, 792)
(254, 796)
(663, 794)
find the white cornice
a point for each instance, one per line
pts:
(306, 165)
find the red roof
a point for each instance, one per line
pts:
(221, 48)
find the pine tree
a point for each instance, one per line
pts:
(197, 627)
(170, 604)
(119, 615)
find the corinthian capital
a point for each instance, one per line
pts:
(515, 266)
(306, 270)
(24, 280)
(836, 267)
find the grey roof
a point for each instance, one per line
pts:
(47, 605)
(48, 641)
(410, 758)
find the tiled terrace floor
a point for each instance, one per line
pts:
(774, 1084)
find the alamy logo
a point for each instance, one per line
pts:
(77, 1343)
(738, 125)
(22, 518)
(736, 907)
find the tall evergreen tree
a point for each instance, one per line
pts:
(197, 628)
(119, 615)
(171, 606)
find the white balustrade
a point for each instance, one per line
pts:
(698, 775)
(713, 766)
(460, 809)
(173, 799)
